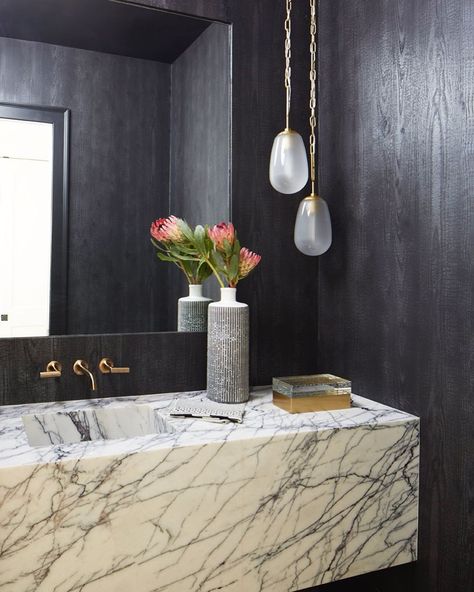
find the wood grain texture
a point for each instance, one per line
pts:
(281, 293)
(159, 362)
(217, 10)
(119, 158)
(396, 289)
(200, 124)
(200, 142)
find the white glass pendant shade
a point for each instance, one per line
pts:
(288, 162)
(313, 232)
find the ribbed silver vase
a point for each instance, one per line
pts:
(192, 311)
(228, 349)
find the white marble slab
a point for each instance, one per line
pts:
(278, 503)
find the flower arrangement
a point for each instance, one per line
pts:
(203, 251)
(175, 243)
(226, 257)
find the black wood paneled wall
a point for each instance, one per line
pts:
(282, 292)
(395, 301)
(158, 362)
(396, 289)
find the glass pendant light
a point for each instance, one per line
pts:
(288, 161)
(313, 232)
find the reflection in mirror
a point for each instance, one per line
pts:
(26, 166)
(145, 95)
(33, 215)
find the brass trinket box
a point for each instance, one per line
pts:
(316, 392)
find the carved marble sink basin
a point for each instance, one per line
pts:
(87, 424)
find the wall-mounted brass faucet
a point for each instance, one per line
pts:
(53, 370)
(80, 368)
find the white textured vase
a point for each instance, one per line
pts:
(192, 311)
(228, 349)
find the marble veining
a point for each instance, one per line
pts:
(278, 503)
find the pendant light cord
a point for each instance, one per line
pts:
(312, 94)
(288, 60)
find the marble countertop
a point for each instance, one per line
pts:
(261, 420)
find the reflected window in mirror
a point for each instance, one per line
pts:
(33, 220)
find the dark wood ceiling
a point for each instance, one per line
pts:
(110, 26)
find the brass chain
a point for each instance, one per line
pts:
(312, 94)
(288, 60)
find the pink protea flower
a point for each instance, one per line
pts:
(248, 261)
(222, 232)
(166, 230)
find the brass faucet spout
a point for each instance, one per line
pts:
(80, 368)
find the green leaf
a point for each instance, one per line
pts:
(188, 266)
(186, 230)
(202, 265)
(182, 257)
(234, 265)
(178, 254)
(236, 250)
(164, 257)
(159, 246)
(199, 239)
(207, 240)
(227, 248)
(199, 233)
(188, 250)
(203, 271)
(217, 261)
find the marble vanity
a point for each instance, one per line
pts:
(278, 503)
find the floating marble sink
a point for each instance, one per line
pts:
(278, 503)
(102, 423)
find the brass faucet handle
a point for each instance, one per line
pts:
(53, 370)
(106, 366)
(80, 367)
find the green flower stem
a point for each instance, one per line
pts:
(188, 277)
(214, 271)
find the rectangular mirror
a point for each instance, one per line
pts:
(111, 115)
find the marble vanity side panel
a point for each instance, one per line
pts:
(267, 514)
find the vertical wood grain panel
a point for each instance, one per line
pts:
(200, 142)
(282, 292)
(396, 289)
(200, 124)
